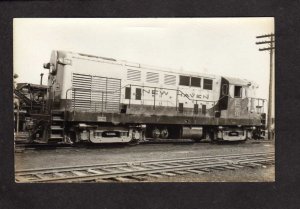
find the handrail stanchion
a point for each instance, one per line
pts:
(176, 99)
(154, 98)
(102, 103)
(74, 99)
(129, 96)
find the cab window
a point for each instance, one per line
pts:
(207, 84)
(184, 80)
(195, 82)
(127, 93)
(238, 92)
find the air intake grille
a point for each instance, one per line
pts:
(133, 75)
(81, 93)
(95, 93)
(170, 79)
(152, 77)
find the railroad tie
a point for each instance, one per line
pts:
(100, 180)
(195, 171)
(78, 173)
(253, 165)
(139, 178)
(94, 171)
(204, 169)
(230, 167)
(155, 175)
(218, 168)
(237, 166)
(168, 174)
(120, 179)
(59, 174)
(128, 169)
(181, 172)
(39, 175)
(20, 179)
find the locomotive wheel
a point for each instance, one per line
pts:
(213, 137)
(197, 140)
(155, 133)
(164, 133)
(133, 142)
(135, 138)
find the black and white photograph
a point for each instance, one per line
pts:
(123, 100)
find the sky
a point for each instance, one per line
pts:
(220, 46)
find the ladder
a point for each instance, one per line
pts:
(57, 127)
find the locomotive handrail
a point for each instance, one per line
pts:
(161, 88)
(178, 90)
(258, 98)
(87, 90)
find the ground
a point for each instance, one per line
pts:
(120, 153)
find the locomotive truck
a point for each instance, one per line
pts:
(104, 100)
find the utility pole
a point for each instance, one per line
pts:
(270, 48)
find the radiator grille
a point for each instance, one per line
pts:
(133, 75)
(82, 94)
(96, 93)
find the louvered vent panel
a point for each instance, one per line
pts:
(98, 93)
(133, 75)
(152, 77)
(113, 95)
(81, 94)
(170, 79)
(95, 93)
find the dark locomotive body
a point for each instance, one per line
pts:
(103, 100)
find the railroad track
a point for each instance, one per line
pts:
(21, 147)
(128, 171)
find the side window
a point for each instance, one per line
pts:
(127, 93)
(195, 82)
(207, 84)
(184, 80)
(237, 91)
(138, 94)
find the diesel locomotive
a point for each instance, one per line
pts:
(104, 100)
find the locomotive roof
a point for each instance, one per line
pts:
(138, 65)
(236, 81)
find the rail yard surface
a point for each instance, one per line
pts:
(151, 162)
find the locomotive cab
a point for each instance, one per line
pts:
(242, 110)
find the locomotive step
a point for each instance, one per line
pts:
(57, 118)
(56, 128)
(56, 136)
(57, 112)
